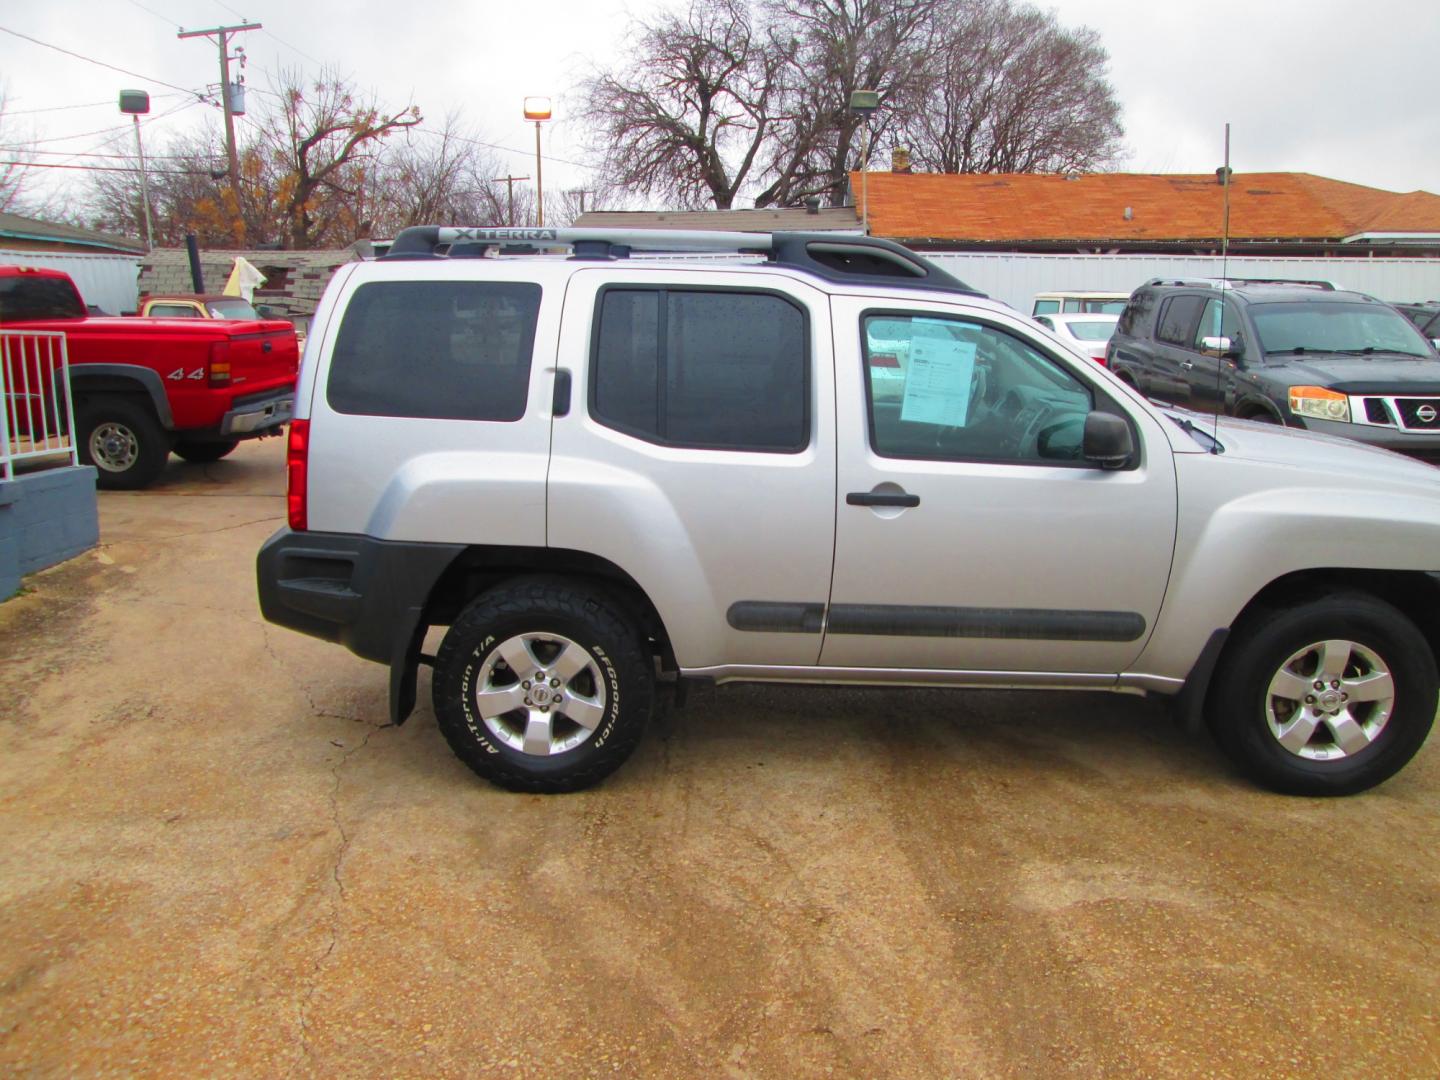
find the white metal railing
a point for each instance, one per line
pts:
(37, 417)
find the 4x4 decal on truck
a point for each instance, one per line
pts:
(179, 373)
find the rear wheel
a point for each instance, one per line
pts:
(540, 686)
(1328, 698)
(123, 440)
(200, 453)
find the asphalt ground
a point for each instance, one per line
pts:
(216, 858)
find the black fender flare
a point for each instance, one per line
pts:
(1247, 405)
(123, 378)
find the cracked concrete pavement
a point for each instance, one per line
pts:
(217, 858)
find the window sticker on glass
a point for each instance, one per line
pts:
(937, 381)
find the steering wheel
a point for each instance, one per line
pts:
(1047, 435)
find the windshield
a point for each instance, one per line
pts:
(231, 309)
(1326, 327)
(1091, 331)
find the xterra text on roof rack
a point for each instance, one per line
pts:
(834, 466)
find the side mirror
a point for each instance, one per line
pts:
(1107, 441)
(1225, 348)
(265, 311)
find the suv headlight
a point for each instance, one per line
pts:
(1320, 403)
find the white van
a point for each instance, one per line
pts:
(1088, 303)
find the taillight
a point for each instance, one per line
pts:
(220, 363)
(297, 456)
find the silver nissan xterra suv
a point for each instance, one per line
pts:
(831, 464)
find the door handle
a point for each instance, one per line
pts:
(881, 498)
(1186, 364)
(560, 396)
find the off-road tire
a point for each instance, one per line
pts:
(538, 607)
(1257, 654)
(202, 453)
(122, 438)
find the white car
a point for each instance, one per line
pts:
(1088, 333)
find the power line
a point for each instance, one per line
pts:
(86, 105)
(498, 146)
(93, 154)
(168, 22)
(121, 127)
(97, 63)
(105, 168)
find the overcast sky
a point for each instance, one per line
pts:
(1334, 87)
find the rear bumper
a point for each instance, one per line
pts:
(259, 414)
(363, 593)
(366, 594)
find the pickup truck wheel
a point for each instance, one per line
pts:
(1329, 698)
(543, 687)
(201, 453)
(124, 442)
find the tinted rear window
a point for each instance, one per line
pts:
(704, 369)
(443, 350)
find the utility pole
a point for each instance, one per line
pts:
(223, 33)
(509, 182)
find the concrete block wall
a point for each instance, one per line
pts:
(45, 518)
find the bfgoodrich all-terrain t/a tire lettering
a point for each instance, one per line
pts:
(1326, 698)
(543, 686)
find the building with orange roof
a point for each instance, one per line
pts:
(1270, 214)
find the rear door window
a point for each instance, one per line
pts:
(441, 350)
(707, 369)
(1178, 319)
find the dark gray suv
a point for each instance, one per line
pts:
(1301, 354)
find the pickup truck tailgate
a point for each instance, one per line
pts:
(263, 357)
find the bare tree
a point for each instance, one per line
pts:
(15, 165)
(833, 48)
(686, 115)
(733, 99)
(1008, 89)
(320, 147)
(186, 179)
(446, 175)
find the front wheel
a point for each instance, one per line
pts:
(1328, 698)
(543, 687)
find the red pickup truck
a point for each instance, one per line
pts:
(145, 387)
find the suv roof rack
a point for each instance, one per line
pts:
(1236, 282)
(841, 258)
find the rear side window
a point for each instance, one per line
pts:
(441, 350)
(1178, 319)
(708, 369)
(34, 296)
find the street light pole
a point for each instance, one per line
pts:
(863, 104)
(144, 185)
(136, 102)
(538, 109)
